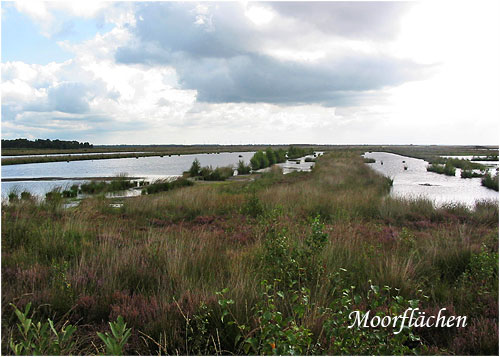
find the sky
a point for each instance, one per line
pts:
(251, 72)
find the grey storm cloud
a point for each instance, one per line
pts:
(220, 56)
(69, 98)
(366, 20)
(257, 78)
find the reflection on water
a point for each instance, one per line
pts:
(151, 168)
(298, 164)
(294, 165)
(37, 188)
(416, 181)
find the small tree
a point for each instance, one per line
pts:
(280, 155)
(271, 156)
(264, 162)
(254, 161)
(195, 168)
(242, 168)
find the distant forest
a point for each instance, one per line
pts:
(44, 144)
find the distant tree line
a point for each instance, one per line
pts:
(44, 144)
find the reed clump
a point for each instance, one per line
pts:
(470, 174)
(162, 185)
(447, 169)
(490, 181)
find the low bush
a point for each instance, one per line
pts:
(490, 181)
(242, 168)
(41, 338)
(447, 169)
(295, 152)
(161, 186)
(94, 187)
(207, 173)
(470, 174)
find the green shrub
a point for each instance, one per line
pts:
(311, 263)
(242, 168)
(161, 186)
(276, 333)
(94, 187)
(482, 269)
(295, 152)
(259, 160)
(459, 163)
(490, 181)
(208, 174)
(115, 342)
(448, 169)
(195, 168)
(263, 159)
(53, 196)
(41, 338)
(470, 174)
(271, 156)
(219, 174)
(26, 195)
(367, 341)
(280, 155)
(252, 206)
(13, 197)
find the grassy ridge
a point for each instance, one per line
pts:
(158, 261)
(42, 159)
(426, 152)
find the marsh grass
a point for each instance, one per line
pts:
(470, 174)
(490, 181)
(94, 187)
(166, 185)
(160, 258)
(447, 169)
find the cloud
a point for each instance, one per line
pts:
(56, 18)
(226, 57)
(69, 97)
(90, 94)
(366, 20)
(258, 73)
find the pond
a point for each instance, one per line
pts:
(299, 164)
(64, 174)
(416, 181)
